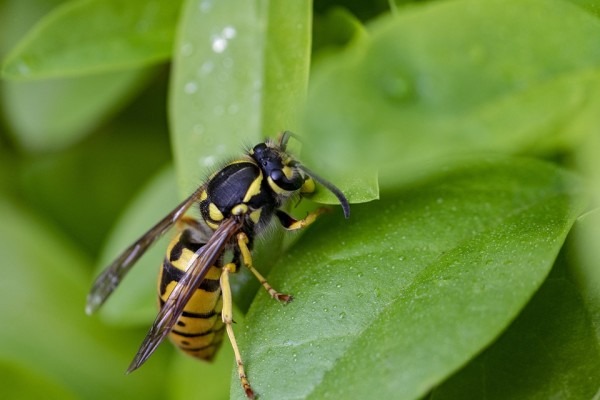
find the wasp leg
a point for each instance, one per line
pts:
(227, 315)
(292, 224)
(242, 241)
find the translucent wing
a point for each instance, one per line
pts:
(205, 257)
(110, 278)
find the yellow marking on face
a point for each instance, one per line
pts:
(308, 186)
(276, 188)
(240, 209)
(214, 212)
(255, 215)
(254, 188)
(203, 195)
(288, 172)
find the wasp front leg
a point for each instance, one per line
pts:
(242, 241)
(292, 224)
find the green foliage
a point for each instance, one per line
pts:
(102, 35)
(409, 307)
(462, 281)
(442, 73)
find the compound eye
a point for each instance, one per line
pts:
(260, 147)
(277, 175)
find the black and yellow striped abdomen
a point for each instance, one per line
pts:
(199, 330)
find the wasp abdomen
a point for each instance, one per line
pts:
(199, 329)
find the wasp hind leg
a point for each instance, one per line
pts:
(227, 316)
(242, 241)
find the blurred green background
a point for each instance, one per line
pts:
(462, 117)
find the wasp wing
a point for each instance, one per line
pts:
(110, 278)
(168, 315)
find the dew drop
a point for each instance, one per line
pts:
(23, 68)
(198, 129)
(233, 109)
(396, 87)
(206, 68)
(229, 32)
(219, 44)
(208, 161)
(204, 6)
(187, 49)
(190, 87)
(219, 110)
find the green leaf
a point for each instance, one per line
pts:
(334, 30)
(20, 383)
(93, 36)
(549, 351)
(134, 303)
(42, 294)
(391, 302)
(584, 268)
(439, 80)
(240, 74)
(219, 90)
(35, 111)
(589, 5)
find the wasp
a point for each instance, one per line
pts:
(236, 204)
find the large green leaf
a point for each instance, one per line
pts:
(393, 301)
(20, 383)
(456, 77)
(36, 110)
(46, 332)
(92, 36)
(549, 352)
(224, 89)
(586, 259)
(240, 74)
(53, 114)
